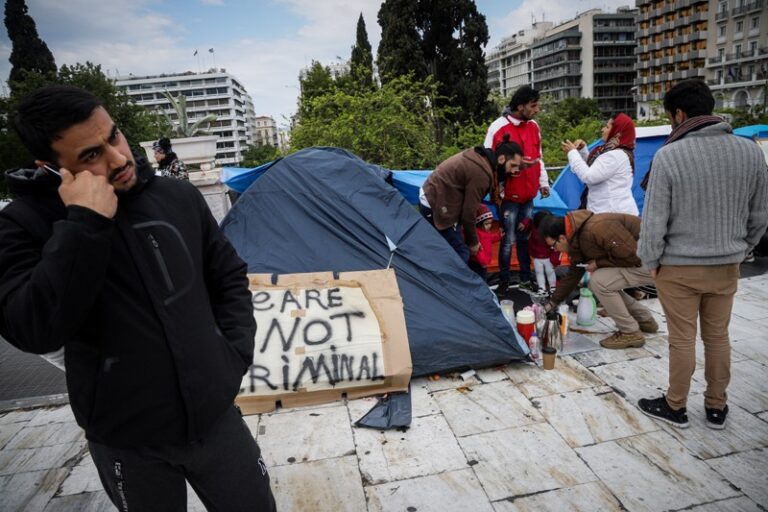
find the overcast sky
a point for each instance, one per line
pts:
(263, 43)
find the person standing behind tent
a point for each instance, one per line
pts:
(452, 192)
(706, 207)
(519, 189)
(543, 255)
(608, 169)
(169, 164)
(484, 221)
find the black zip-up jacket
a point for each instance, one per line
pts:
(152, 306)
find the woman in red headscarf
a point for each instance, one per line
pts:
(608, 170)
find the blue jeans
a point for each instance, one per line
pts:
(452, 235)
(512, 214)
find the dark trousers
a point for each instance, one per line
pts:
(452, 235)
(479, 269)
(225, 469)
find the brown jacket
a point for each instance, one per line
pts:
(456, 188)
(608, 238)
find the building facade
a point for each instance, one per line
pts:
(265, 131)
(671, 46)
(509, 64)
(614, 62)
(214, 92)
(737, 53)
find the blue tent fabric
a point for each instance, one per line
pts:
(324, 209)
(759, 131)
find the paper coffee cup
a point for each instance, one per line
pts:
(548, 357)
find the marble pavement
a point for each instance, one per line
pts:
(516, 438)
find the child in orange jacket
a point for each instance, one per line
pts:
(483, 224)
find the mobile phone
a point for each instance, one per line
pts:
(53, 168)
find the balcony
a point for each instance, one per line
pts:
(721, 15)
(755, 6)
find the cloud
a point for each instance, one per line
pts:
(212, 2)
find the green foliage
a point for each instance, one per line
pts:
(744, 117)
(393, 126)
(361, 63)
(443, 40)
(260, 154)
(570, 119)
(316, 82)
(184, 129)
(29, 52)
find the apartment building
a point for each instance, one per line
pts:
(671, 46)
(213, 92)
(509, 64)
(590, 56)
(265, 131)
(737, 53)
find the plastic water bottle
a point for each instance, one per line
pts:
(535, 345)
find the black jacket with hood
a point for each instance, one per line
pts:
(152, 306)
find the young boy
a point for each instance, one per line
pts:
(483, 224)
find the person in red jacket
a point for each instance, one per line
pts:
(543, 255)
(484, 221)
(520, 188)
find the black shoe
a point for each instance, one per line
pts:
(501, 290)
(659, 408)
(716, 418)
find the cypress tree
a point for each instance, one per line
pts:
(361, 63)
(400, 50)
(29, 52)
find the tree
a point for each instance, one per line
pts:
(315, 82)
(443, 39)
(183, 128)
(259, 154)
(570, 119)
(361, 63)
(29, 53)
(391, 126)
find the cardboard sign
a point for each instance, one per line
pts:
(318, 338)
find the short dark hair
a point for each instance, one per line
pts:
(508, 147)
(543, 214)
(43, 114)
(523, 96)
(552, 227)
(692, 96)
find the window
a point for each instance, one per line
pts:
(721, 31)
(756, 22)
(739, 27)
(737, 50)
(720, 53)
(753, 47)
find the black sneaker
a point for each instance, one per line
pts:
(659, 408)
(526, 285)
(716, 418)
(501, 290)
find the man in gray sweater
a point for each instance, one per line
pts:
(706, 207)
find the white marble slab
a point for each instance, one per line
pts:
(48, 434)
(741, 329)
(86, 502)
(8, 431)
(524, 460)
(38, 459)
(605, 356)
(488, 375)
(653, 472)
(17, 416)
(742, 504)
(754, 348)
(30, 490)
(589, 497)
(592, 416)
(59, 414)
(486, 408)
(83, 478)
(452, 490)
(306, 435)
(747, 471)
(428, 447)
(568, 375)
(450, 381)
(748, 387)
(640, 378)
(422, 403)
(329, 484)
(750, 307)
(743, 431)
(763, 416)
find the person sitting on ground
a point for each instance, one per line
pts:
(484, 221)
(604, 244)
(542, 254)
(452, 193)
(607, 170)
(168, 162)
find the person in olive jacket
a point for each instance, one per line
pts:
(451, 194)
(130, 274)
(604, 244)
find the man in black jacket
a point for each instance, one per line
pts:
(131, 275)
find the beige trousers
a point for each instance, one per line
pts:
(608, 285)
(688, 293)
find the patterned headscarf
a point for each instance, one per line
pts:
(621, 136)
